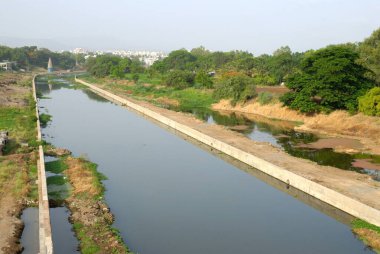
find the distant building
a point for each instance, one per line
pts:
(7, 65)
(50, 65)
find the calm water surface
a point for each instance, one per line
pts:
(170, 196)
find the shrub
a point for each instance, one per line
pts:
(369, 104)
(237, 88)
(204, 79)
(265, 98)
(179, 79)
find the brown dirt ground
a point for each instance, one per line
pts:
(352, 184)
(339, 124)
(12, 94)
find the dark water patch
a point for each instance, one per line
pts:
(170, 196)
(64, 239)
(30, 235)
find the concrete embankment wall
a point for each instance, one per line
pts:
(334, 198)
(45, 236)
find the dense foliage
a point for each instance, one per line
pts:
(179, 79)
(27, 57)
(238, 88)
(330, 78)
(115, 66)
(265, 69)
(370, 55)
(369, 104)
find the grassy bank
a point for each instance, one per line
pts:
(168, 97)
(367, 232)
(18, 170)
(90, 215)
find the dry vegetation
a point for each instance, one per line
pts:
(91, 216)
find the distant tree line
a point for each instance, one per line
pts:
(334, 77)
(31, 56)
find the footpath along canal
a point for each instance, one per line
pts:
(170, 195)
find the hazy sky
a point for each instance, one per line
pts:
(253, 25)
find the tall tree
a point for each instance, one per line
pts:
(370, 55)
(330, 78)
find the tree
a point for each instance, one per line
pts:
(176, 60)
(370, 55)
(330, 78)
(179, 79)
(369, 104)
(237, 88)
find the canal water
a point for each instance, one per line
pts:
(170, 195)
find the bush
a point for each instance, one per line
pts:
(179, 79)
(265, 98)
(204, 79)
(369, 104)
(237, 88)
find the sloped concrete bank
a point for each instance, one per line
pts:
(330, 196)
(45, 236)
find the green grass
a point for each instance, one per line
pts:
(33, 193)
(87, 245)
(21, 124)
(145, 79)
(56, 167)
(357, 223)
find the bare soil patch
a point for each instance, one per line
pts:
(365, 163)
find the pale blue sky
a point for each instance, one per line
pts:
(253, 25)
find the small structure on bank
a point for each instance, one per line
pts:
(7, 65)
(50, 66)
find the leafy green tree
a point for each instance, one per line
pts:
(179, 79)
(203, 79)
(330, 78)
(102, 66)
(370, 55)
(369, 104)
(176, 60)
(237, 88)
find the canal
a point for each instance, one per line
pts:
(170, 195)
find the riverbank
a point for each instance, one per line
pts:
(344, 184)
(357, 133)
(89, 214)
(18, 170)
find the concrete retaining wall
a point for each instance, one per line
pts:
(45, 236)
(334, 198)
